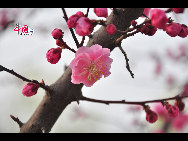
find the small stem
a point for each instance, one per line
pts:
(66, 46)
(45, 87)
(82, 42)
(142, 103)
(17, 121)
(71, 30)
(87, 12)
(127, 61)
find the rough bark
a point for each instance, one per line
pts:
(64, 92)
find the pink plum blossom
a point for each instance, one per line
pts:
(90, 64)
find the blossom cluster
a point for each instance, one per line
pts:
(160, 20)
(172, 110)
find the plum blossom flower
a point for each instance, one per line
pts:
(90, 64)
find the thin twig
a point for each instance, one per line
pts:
(71, 30)
(67, 46)
(45, 87)
(127, 61)
(86, 15)
(17, 121)
(142, 103)
(83, 38)
(82, 42)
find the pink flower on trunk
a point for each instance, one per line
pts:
(101, 12)
(30, 89)
(90, 64)
(111, 29)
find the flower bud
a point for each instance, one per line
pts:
(111, 29)
(84, 26)
(173, 111)
(101, 12)
(184, 31)
(173, 29)
(30, 89)
(74, 18)
(151, 116)
(158, 18)
(133, 23)
(178, 10)
(53, 55)
(59, 43)
(57, 33)
(180, 104)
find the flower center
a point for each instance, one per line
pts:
(94, 72)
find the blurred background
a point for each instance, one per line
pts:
(160, 65)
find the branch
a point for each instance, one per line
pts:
(87, 12)
(127, 61)
(45, 87)
(17, 120)
(71, 30)
(142, 103)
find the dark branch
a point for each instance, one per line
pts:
(127, 61)
(17, 120)
(87, 12)
(71, 30)
(45, 87)
(142, 103)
